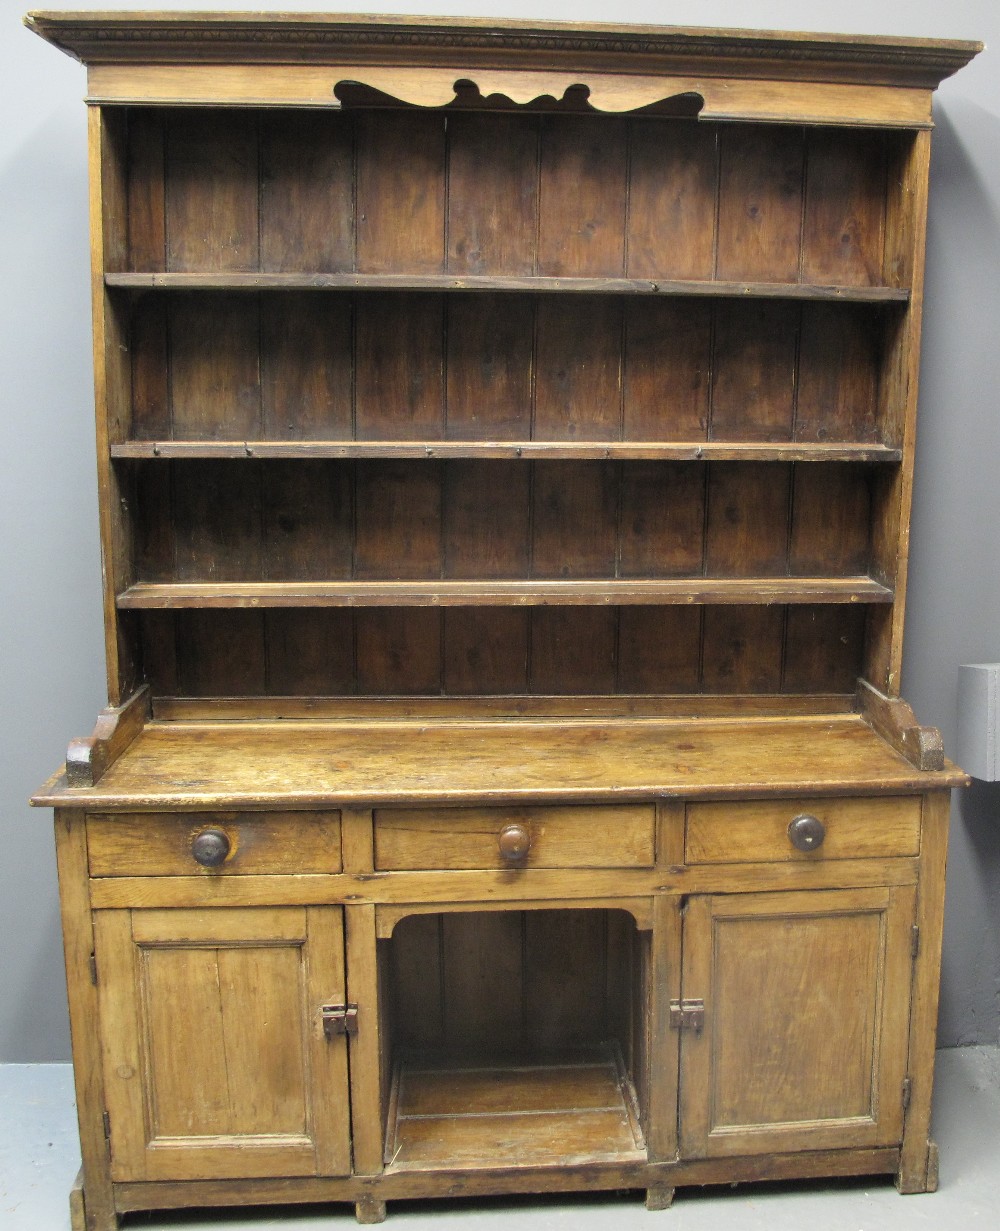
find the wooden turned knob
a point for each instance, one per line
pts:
(806, 833)
(211, 848)
(514, 842)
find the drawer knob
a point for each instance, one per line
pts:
(806, 833)
(211, 848)
(514, 842)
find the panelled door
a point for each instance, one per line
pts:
(216, 1062)
(794, 1020)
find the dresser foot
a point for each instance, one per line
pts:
(78, 1211)
(921, 1179)
(369, 1210)
(659, 1198)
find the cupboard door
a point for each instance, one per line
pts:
(806, 1007)
(216, 1065)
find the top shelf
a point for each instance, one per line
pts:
(306, 281)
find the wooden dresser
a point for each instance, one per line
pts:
(505, 447)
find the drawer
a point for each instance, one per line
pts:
(756, 831)
(570, 837)
(160, 843)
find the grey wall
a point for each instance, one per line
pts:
(51, 669)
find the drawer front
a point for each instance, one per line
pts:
(757, 831)
(162, 844)
(571, 837)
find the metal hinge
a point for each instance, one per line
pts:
(915, 941)
(907, 1092)
(687, 1015)
(93, 969)
(339, 1019)
(107, 1125)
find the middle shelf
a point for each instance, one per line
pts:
(460, 593)
(596, 450)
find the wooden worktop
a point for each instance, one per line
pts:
(312, 762)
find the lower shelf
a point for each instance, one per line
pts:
(579, 1108)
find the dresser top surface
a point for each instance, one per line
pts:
(311, 763)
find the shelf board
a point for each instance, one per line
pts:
(682, 451)
(533, 592)
(249, 281)
(513, 1114)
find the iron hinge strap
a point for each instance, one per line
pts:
(107, 1125)
(93, 969)
(339, 1019)
(907, 1092)
(687, 1015)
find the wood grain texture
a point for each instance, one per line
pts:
(743, 832)
(185, 764)
(188, 1080)
(158, 844)
(338, 308)
(751, 1079)
(916, 1170)
(88, 1075)
(400, 192)
(559, 838)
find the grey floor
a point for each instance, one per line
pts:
(39, 1159)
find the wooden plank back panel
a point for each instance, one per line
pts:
(221, 658)
(151, 416)
(398, 520)
(760, 203)
(472, 651)
(823, 648)
(307, 519)
(573, 650)
(578, 379)
(673, 186)
(662, 519)
(307, 367)
(500, 982)
(843, 226)
(414, 954)
(659, 649)
(486, 537)
(482, 958)
(146, 189)
(489, 361)
(485, 651)
(667, 365)
(492, 193)
(423, 366)
(309, 652)
(217, 521)
(306, 191)
(747, 521)
(399, 359)
(212, 186)
(215, 367)
(582, 196)
(396, 190)
(838, 367)
(574, 513)
(401, 160)
(565, 978)
(753, 376)
(742, 649)
(398, 651)
(387, 520)
(831, 508)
